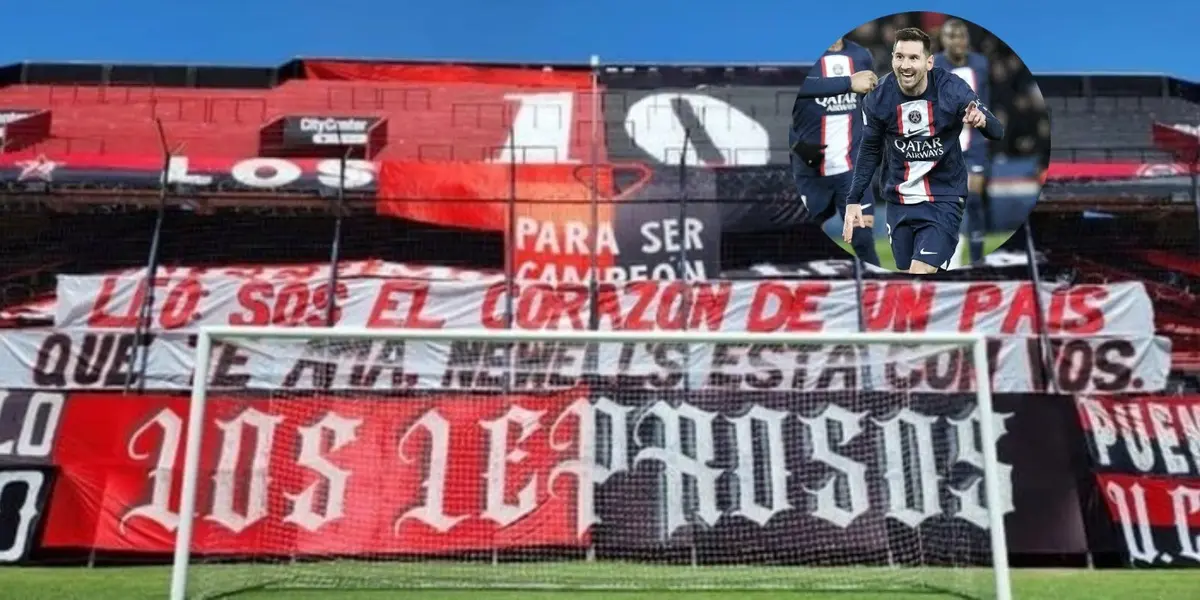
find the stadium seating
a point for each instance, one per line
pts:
(117, 119)
(1084, 128)
(217, 122)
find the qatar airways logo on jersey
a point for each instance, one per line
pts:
(839, 103)
(929, 149)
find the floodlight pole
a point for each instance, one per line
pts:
(510, 253)
(683, 251)
(335, 247)
(146, 311)
(683, 200)
(1044, 345)
(858, 288)
(594, 151)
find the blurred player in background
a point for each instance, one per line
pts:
(826, 130)
(956, 56)
(912, 126)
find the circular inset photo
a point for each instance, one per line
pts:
(919, 140)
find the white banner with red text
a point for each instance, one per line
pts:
(183, 303)
(97, 360)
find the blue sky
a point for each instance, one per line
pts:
(1050, 35)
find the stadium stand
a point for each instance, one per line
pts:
(84, 198)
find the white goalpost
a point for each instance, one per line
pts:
(356, 458)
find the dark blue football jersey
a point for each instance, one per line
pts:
(976, 73)
(915, 139)
(833, 120)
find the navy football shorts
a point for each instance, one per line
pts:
(824, 195)
(926, 231)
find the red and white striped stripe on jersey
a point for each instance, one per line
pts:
(836, 130)
(915, 118)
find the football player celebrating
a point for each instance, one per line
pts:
(916, 116)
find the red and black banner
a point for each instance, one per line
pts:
(731, 476)
(30, 424)
(316, 475)
(1146, 456)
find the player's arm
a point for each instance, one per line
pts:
(821, 87)
(870, 154)
(978, 115)
(861, 82)
(992, 128)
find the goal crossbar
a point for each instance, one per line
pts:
(207, 335)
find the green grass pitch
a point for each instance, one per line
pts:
(390, 580)
(884, 248)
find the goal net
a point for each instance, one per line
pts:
(355, 459)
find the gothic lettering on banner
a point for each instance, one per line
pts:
(1146, 458)
(370, 474)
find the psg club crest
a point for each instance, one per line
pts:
(838, 70)
(914, 117)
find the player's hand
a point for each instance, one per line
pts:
(863, 82)
(811, 154)
(974, 117)
(854, 219)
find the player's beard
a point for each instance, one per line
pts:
(910, 84)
